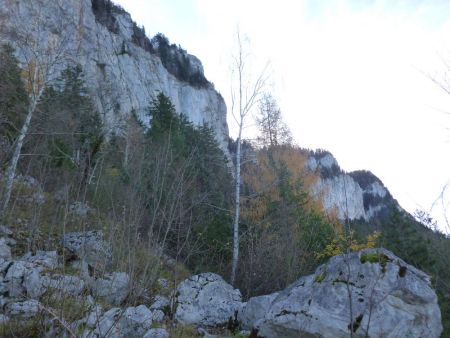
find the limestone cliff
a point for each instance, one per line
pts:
(123, 68)
(356, 195)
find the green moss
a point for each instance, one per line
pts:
(376, 257)
(319, 278)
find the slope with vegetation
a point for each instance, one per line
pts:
(162, 193)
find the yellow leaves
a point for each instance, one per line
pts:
(32, 78)
(340, 244)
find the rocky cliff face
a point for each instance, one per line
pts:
(355, 195)
(123, 68)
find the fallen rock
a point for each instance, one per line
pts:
(26, 309)
(206, 299)
(389, 298)
(24, 279)
(157, 333)
(89, 246)
(5, 231)
(48, 259)
(160, 303)
(158, 316)
(113, 288)
(80, 209)
(69, 285)
(133, 322)
(5, 250)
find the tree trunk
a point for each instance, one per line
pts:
(11, 172)
(237, 201)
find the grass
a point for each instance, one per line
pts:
(376, 257)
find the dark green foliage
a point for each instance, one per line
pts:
(68, 131)
(104, 10)
(193, 186)
(13, 99)
(177, 62)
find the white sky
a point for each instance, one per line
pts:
(348, 76)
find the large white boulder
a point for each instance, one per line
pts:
(371, 290)
(206, 299)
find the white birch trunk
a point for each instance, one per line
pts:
(11, 172)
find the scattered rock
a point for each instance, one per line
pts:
(5, 231)
(206, 299)
(113, 288)
(26, 309)
(159, 303)
(157, 333)
(135, 321)
(158, 315)
(70, 285)
(89, 246)
(24, 279)
(48, 259)
(5, 250)
(205, 334)
(80, 209)
(131, 322)
(398, 305)
(3, 319)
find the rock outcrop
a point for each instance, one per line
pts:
(89, 247)
(122, 68)
(30, 285)
(206, 299)
(355, 195)
(371, 292)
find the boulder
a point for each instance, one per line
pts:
(47, 259)
(133, 322)
(24, 279)
(112, 288)
(89, 246)
(158, 315)
(388, 298)
(206, 299)
(254, 310)
(5, 250)
(157, 333)
(69, 285)
(24, 310)
(160, 303)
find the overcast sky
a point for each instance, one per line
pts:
(349, 76)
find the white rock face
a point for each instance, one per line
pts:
(389, 299)
(206, 299)
(121, 76)
(343, 194)
(354, 195)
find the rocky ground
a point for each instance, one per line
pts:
(383, 296)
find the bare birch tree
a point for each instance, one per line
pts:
(42, 53)
(245, 94)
